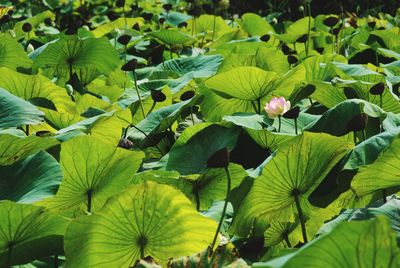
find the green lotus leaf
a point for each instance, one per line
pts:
(31, 179)
(171, 37)
(297, 168)
(12, 55)
(368, 151)
(381, 174)
(297, 29)
(351, 244)
(245, 83)
(271, 59)
(72, 54)
(14, 148)
(93, 171)
(205, 25)
(34, 87)
(160, 120)
(15, 112)
(253, 24)
(34, 21)
(144, 220)
(335, 120)
(226, 257)
(203, 189)
(119, 23)
(204, 143)
(28, 232)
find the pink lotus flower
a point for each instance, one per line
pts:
(277, 107)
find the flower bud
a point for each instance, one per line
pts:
(30, 48)
(125, 143)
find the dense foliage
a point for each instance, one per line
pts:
(173, 134)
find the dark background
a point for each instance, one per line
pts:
(290, 8)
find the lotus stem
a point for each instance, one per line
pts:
(151, 109)
(56, 261)
(380, 100)
(286, 238)
(384, 195)
(279, 123)
(138, 94)
(221, 221)
(301, 218)
(9, 254)
(89, 200)
(259, 105)
(363, 135)
(309, 28)
(295, 126)
(144, 133)
(197, 196)
(213, 31)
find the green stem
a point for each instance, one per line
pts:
(279, 123)
(89, 200)
(56, 261)
(286, 238)
(213, 30)
(363, 135)
(221, 221)
(197, 196)
(380, 100)
(295, 126)
(384, 195)
(27, 130)
(259, 105)
(254, 106)
(144, 133)
(152, 107)
(309, 28)
(9, 254)
(301, 218)
(138, 94)
(354, 137)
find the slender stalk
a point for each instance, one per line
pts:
(279, 123)
(197, 196)
(56, 261)
(384, 195)
(138, 94)
(171, 54)
(309, 27)
(221, 221)
(123, 14)
(286, 238)
(142, 252)
(213, 31)
(254, 107)
(144, 133)
(363, 135)
(89, 200)
(301, 218)
(295, 126)
(151, 108)
(9, 254)
(27, 130)
(259, 105)
(354, 137)
(380, 100)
